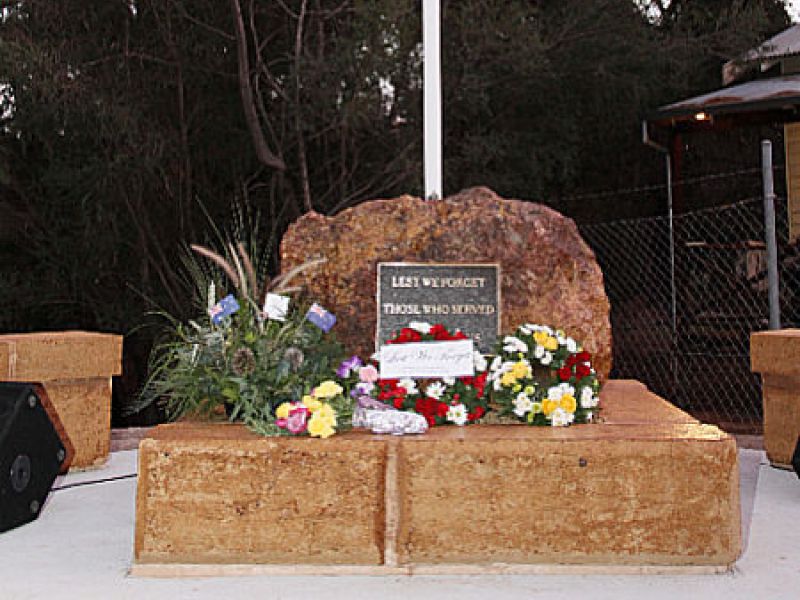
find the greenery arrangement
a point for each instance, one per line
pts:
(242, 363)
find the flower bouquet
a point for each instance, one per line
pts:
(442, 401)
(242, 358)
(543, 377)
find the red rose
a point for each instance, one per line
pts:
(384, 396)
(431, 421)
(584, 356)
(564, 373)
(421, 406)
(409, 335)
(572, 359)
(441, 409)
(456, 397)
(459, 335)
(398, 402)
(437, 329)
(471, 417)
(467, 380)
(583, 370)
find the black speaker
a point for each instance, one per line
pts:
(796, 457)
(34, 448)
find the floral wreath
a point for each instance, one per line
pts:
(544, 377)
(443, 401)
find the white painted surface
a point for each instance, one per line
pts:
(432, 98)
(81, 547)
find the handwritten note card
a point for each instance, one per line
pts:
(428, 359)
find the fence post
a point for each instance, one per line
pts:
(771, 240)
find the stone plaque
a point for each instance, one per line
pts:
(459, 296)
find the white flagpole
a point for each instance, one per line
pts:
(432, 99)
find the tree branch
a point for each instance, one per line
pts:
(264, 154)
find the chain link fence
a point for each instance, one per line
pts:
(682, 313)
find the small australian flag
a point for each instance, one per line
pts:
(321, 317)
(224, 308)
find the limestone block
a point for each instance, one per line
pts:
(76, 369)
(216, 493)
(776, 356)
(549, 274)
(611, 494)
(626, 492)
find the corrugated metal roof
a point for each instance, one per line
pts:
(786, 43)
(759, 95)
(782, 45)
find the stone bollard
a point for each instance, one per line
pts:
(76, 369)
(776, 356)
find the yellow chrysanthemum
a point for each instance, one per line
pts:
(568, 403)
(319, 427)
(540, 337)
(327, 389)
(529, 390)
(517, 387)
(311, 403)
(282, 412)
(548, 406)
(327, 414)
(508, 379)
(551, 344)
(521, 370)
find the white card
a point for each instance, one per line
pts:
(276, 307)
(428, 359)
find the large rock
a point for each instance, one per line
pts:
(549, 274)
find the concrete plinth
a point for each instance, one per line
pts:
(76, 369)
(776, 356)
(627, 492)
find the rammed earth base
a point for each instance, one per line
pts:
(650, 488)
(76, 369)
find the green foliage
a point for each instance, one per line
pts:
(245, 364)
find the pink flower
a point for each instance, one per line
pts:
(282, 423)
(368, 374)
(296, 423)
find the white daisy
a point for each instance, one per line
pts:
(479, 361)
(572, 345)
(547, 358)
(587, 398)
(457, 414)
(449, 380)
(538, 352)
(555, 393)
(525, 330)
(421, 327)
(409, 385)
(435, 390)
(514, 344)
(496, 363)
(522, 404)
(561, 418)
(567, 389)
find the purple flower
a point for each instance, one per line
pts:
(348, 365)
(364, 388)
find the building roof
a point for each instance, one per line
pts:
(782, 45)
(776, 98)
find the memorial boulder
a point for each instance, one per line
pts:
(548, 273)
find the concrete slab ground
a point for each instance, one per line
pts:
(81, 547)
